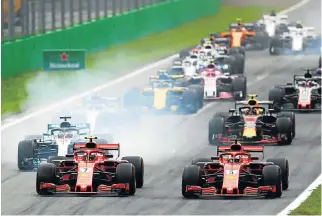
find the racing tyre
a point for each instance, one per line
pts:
(200, 92)
(33, 137)
(216, 127)
(201, 162)
(191, 176)
(139, 169)
(125, 174)
(284, 127)
(274, 46)
(272, 176)
(237, 50)
(290, 115)
(190, 101)
(283, 164)
(276, 95)
(26, 150)
(46, 173)
(239, 85)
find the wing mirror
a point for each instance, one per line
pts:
(289, 84)
(107, 156)
(232, 110)
(83, 134)
(215, 158)
(46, 134)
(254, 158)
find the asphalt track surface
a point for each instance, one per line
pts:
(168, 143)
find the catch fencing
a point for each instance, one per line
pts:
(22, 18)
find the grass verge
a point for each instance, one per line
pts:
(311, 206)
(114, 61)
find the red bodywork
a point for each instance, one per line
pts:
(222, 178)
(77, 176)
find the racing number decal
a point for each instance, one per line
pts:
(85, 170)
(231, 172)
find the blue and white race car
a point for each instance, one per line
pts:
(55, 142)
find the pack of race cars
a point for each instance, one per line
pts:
(69, 160)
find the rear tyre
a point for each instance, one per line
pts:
(26, 151)
(139, 169)
(239, 85)
(283, 164)
(290, 115)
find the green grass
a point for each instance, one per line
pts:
(116, 59)
(311, 206)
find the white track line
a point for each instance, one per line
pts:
(302, 197)
(86, 93)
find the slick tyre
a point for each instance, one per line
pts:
(125, 174)
(190, 101)
(276, 95)
(283, 164)
(290, 115)
(26, 149)
(239, 85)
(138, 163)
(200, 92)
(272, 177)
(46, 173)
(216, 127)
(191, 176)
(284, 127)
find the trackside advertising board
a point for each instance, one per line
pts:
(55, 60)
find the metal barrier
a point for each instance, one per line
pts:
(21, 18)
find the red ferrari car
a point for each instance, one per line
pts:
(234, 172)
(91, 170)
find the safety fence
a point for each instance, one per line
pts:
(26, 54)
(21, 18)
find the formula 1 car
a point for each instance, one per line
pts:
(235, 172)
(295, 40)
(32, 152)
(274, 25)
(219, 85)
(304, 94)
(174, 72)
(91, 170)
(252, 123)
(247, 37)
(165, 95)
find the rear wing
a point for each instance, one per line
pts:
(77, 126)
(105, 147)
(259, 149)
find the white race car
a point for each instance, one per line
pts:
(273, 24)
(295, 40)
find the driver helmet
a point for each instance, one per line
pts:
(239, 21)
(298, 24)
(273, 13)
(92, 156)
(69, 135)
(60, 135)
(237, 159)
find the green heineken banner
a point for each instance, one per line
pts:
(64, 60)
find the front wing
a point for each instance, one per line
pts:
(248, 191)
(119, 189)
